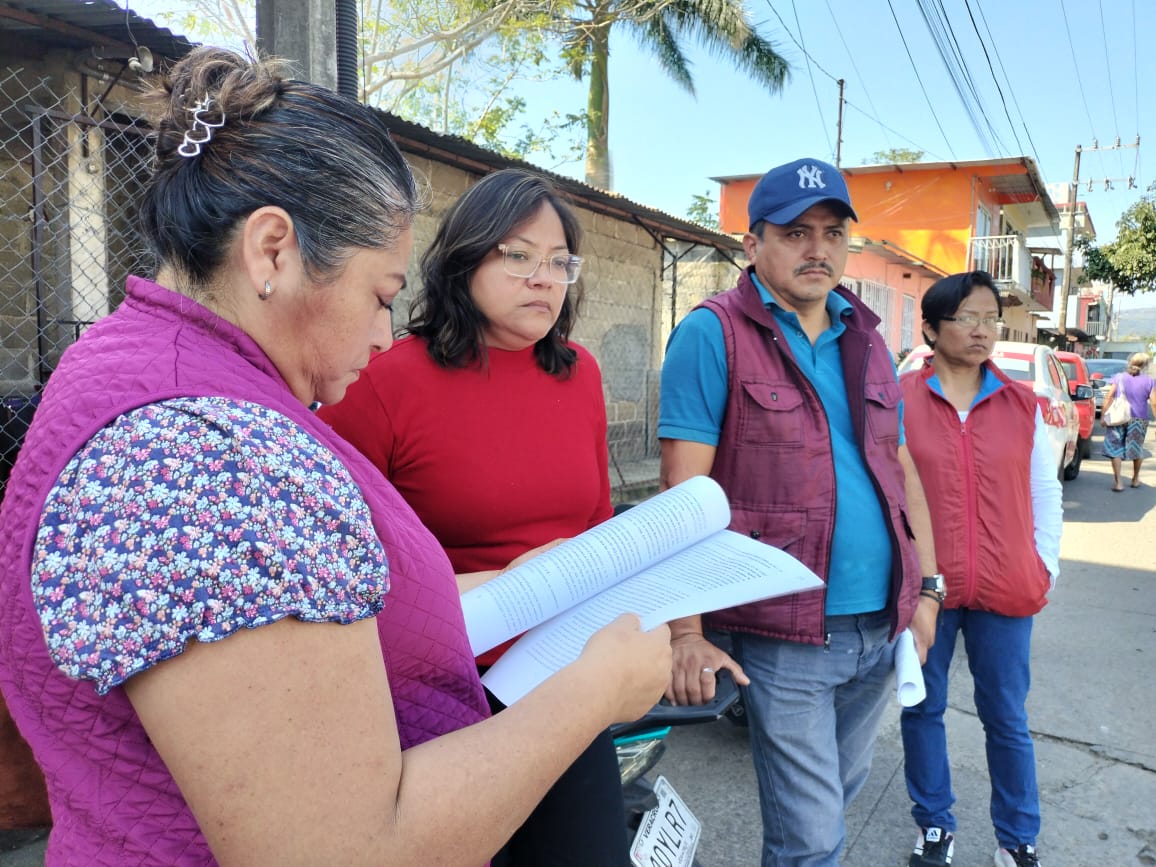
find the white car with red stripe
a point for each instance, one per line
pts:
(1035, 367)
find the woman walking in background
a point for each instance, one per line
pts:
(1125, 442)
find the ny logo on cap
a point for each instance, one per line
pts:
(811, 177)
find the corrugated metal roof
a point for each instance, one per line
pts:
(79, 24)
(83, 23)
(454, 150)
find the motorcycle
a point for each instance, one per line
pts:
(664, 830)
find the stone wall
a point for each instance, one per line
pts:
(622, 284)
(634, 286)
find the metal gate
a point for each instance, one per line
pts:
(69, 233)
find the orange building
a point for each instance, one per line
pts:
(919, 221)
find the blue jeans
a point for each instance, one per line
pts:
(998, 654)
(814, 713)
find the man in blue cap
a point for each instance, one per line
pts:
(783, 390)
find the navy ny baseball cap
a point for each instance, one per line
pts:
(783, 193)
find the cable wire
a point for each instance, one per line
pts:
(950, 53)
(1111, 91)
(854, 66)
(1011, 90)
(915, 69)
(814, 90)
(991, 69)
(1076, 68)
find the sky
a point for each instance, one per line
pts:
(1069, 72)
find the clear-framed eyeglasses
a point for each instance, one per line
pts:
(967, 321)
(519, 262)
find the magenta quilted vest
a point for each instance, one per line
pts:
(113, 800)
(774, 458)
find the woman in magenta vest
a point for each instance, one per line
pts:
(225, 637)
(981, 447)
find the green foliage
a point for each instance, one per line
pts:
(446, 64)
(1129, 262)
(893, 156)
(703, 210)
(663, 28)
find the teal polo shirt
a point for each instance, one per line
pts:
(692, 405)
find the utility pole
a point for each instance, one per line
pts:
(1065, 290)
(305, 32)
(839, 130)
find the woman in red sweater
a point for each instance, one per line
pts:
(492, 425)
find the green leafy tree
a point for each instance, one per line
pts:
(447, 64)
(663, 28)
(1129, 262)
(893, 157)
(703, 210)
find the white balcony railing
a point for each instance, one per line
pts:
(1006, 258)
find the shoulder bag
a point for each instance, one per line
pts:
(1119, 412)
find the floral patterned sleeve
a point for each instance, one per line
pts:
(191, 519)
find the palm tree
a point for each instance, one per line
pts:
(662, 27)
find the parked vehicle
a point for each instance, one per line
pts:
(1037, 368)
(662, 828)
(1080, 388)
(1101, 371)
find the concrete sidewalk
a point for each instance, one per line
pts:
(1091, 709)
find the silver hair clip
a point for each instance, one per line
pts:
(201, 131)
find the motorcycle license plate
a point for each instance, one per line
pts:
(668, 834)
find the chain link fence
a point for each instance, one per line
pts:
(69, 184)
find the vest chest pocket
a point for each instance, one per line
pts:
(771, 415)
(883, 410)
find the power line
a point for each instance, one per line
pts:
(894, 132)
(1076, 68)
(1111, 91)
(991, 69)
(855, 67)
(1011, 90)
(783, 24)
(873, 114)
(915, 69)
(814, 90)
(950, 53)
(1135, 73)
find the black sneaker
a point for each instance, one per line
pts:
(1021, 856)
(934, 848)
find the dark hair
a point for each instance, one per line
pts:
(443, 312)
(327, 160)
(945, 296)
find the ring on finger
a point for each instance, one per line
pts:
(707, 670)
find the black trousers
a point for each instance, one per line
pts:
(581, 822)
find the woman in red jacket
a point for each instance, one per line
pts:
(492, 424)
(981, 447)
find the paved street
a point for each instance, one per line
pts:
(1091, 710)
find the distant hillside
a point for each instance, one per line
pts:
(1136, 323)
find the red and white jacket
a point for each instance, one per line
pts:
(977, 478)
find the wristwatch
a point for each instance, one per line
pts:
(934, 585)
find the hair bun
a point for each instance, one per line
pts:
(239, 87)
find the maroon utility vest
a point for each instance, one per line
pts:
(775, 460)
(113, 800)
